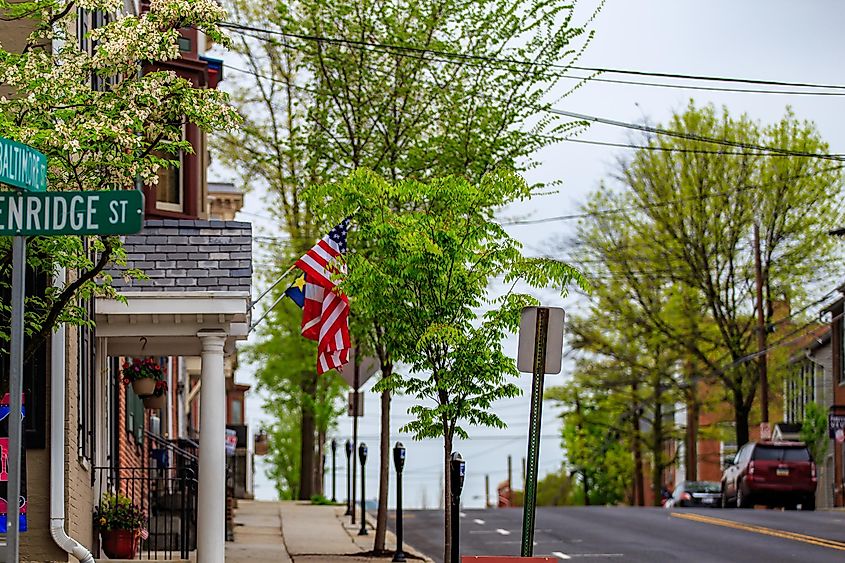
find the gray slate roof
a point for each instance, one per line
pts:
(189, 255)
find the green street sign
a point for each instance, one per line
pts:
(71, 213)
(22, 166)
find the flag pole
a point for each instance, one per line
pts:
(269, 289)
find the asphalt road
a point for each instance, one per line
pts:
(641, 534)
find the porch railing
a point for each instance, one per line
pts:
(166, 491)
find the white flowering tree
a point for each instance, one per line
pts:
(103, 123)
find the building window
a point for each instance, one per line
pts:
(840, 325)
(236, 411)
(169, 191)
(185, 44)
(134, 414)
(85, 375)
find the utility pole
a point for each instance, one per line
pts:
(487, 491)
(510, 474)
(761, 331)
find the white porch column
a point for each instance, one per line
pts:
(211, 524)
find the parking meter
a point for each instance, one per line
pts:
(457, 470)
(399, 457)
(399, 463)
(349, 507)
(334, 470)
(362, 456)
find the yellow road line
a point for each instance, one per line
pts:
(822, 542)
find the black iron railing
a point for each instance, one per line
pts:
(168, 498)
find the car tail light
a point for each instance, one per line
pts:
(751, 468)
(686, 496)
(813, 471)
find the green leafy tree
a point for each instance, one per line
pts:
(100, 123)
(430, 252)
(598, 450)
(316, 110)
(814, 432)
(684, 237)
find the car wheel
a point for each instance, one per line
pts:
(809, 503)
(742, 500)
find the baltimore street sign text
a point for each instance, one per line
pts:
(22, 166)
(71, 213)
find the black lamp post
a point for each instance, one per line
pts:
(348, 478)
(334, 470)
(457, 471)
(362, 455)
(399, 463)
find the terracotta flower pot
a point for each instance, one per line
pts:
(143, 387)
(155, 402)
(120, 544)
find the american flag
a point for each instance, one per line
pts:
(325, 315)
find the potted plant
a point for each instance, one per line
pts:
(120, 522)
(158, 399)
(142, 374)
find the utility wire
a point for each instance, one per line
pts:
(523, 62)
(626, 209)
(693, 136)
(655, 130)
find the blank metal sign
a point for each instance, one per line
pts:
(528, 333)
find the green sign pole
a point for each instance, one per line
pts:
(13, 485)
(529, 503)
(25, 168)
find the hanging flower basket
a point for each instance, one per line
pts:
(155, 402)
(262, 445)
(142, 374)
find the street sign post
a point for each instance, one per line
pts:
(71, 213)
(34, 211)
(25, 168)
(541, 352)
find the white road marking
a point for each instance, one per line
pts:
(463, 514)
(560, 555)
(479, 521)
(503, 532)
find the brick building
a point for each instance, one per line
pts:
(86, 433)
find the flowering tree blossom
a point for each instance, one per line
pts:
(102, 123)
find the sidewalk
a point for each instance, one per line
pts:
(301, 532)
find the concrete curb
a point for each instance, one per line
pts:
(409, 550)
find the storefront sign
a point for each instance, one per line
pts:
(115, 212)
(22, 166)
(836, 421)
(231, 441)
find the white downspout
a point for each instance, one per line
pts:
(57, 443)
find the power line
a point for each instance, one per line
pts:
(529, 63)
(679, 150)
(626, 209)
(638, 127)
(692, 136)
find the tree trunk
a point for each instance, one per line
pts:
(741, 420)
(384, 473)
(657, 452)
(692, 437)
(320, 461)
(447, 497)
(639, 479)
(306, 456)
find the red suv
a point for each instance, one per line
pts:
(770, 473)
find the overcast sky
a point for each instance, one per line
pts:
(760, 39)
